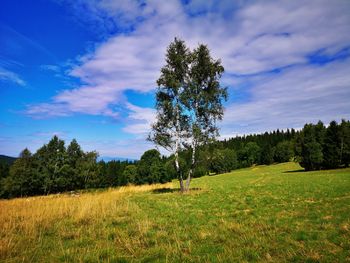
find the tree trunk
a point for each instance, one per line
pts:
(182, 187)
(194, 145)
(188, 180)
(190, 172)
(178, 171)
(177, 146)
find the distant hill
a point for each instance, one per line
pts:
(109, 158)
(10, 159)
(7, 159)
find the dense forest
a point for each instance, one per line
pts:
(58, 168)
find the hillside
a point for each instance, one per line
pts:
(271, 213)
(7, 159)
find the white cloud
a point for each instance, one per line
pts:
(6, 75)
(49, 67)
(46, 110)
(292, 98)
(87, 100)
(250, 38)
(141, 118)
(118, 148)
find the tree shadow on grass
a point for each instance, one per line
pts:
(172, 190)
(165, 190)
(295, 171)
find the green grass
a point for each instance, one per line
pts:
(271, 213)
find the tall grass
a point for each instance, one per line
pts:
(26, 221)
(266, 213)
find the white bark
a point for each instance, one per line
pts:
(177, 147)
(194, 146)
(193, 160)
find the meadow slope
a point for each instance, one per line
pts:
(274, 213)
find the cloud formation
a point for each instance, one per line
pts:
(266, 43)
(7, 75)
(141, 119)
(292, 98)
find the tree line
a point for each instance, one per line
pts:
(56, 168)
(314, 147)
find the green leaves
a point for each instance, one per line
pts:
(151, 169)
(188, 92)
(189, 102)
(325, 148)
(203, 96)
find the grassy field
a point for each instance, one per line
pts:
(272, 213)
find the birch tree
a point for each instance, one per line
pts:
(170, 128)
(189, 103)
(203, 101)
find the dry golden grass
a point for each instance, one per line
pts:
(28, 219)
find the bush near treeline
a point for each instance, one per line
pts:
(56, 168)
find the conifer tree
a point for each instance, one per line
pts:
(130, 173)
(345, 143)
(332, 146)
(267, 153)
(283, 151)
(311, 150)
(21, 181)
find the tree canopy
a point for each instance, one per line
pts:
(189, 103)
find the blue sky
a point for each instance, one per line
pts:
(87, 69)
